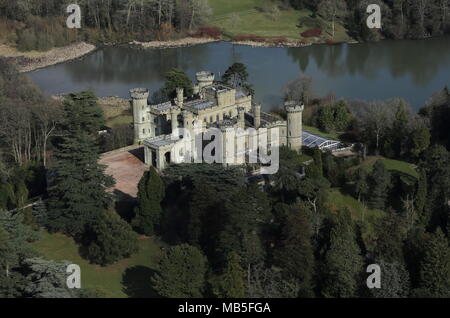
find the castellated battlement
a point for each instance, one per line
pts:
(205, 76)
(139, 93)
(293, 107)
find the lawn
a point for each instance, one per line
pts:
(119, 120)
(236, 17)
(128, 277)
(316, 131)
(392, 165)
(221, 7)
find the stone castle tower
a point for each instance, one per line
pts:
(143, 125)
(294, 112)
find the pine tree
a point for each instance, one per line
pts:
(394, 282)
(177, 78)
(295, 255)
(111, 239)
(435, 266)
(361, 185)
(77, 191)
(379, 184)
(343, 260)
(83, 112)
(231, 282)
(247, 214)
(150, 194)
(181, 272)
(421, 198)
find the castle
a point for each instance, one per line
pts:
(213, 105)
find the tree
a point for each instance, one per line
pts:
(47, 279)
(390, 235)
(110, 239)
(177, 78)
(343, 260)
(247, 214)
(231, 282)
(435, 266)
(269, 283)
(295, 253)
(236, 76)
(421, 198)
(379, 184)
(181, 272)
(332, 10)
(394, 283)
(150, 194)
(300, 90)
(78, 184)
(82, 112)
(436, 162)
(361, 184)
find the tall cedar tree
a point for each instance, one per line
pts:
(435, 266)
(231, 282)
(295, 254)
(343, 260)
(181, 272)
(111, 239)
(379, 184)
(436, 162)
(77, 191)
(247, 216)
(150, 194)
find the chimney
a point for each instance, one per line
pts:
(257, 114)
(180, 97)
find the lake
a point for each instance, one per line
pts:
(411, 69)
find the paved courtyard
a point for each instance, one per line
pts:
(126, 166)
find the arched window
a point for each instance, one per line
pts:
(143, 131)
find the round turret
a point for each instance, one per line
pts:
(139, 93)
(294, 124)
(204, 79)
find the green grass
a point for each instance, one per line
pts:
(366, 217)
(107, 279)
(316, 131)
(392, 165)
(236, 17)
(119, 120)
(223, 7)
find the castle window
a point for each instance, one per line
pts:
(210, 119)
(217, 117)
(230, 113)
(143, 118)
(143, 131)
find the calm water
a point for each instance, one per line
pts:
(409, 69)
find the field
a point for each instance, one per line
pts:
(127, 278)
(236, 17)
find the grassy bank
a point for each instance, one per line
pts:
(391, 164)
(127, 278)
(237, 17)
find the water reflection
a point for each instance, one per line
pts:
(409, 69)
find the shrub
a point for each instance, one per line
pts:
(248, 37)
(312, 33)
(278, 41)
(209, 32)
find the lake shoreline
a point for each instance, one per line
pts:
(34, 60)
